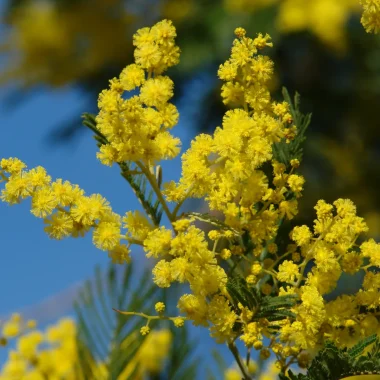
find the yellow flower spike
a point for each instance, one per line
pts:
(106, 236)
(256, 269)
(262, 41)
(301, 235)
(240, 32)
(136, 128)
(131, 77)
(214, 235)
(12, 165)
(178, 321)
(225, 254)
(295, 163)
(120, 254)
(288, 271)
(371, 15)
(159, 307)
(11, 329)
(251, 279)
(144, 330)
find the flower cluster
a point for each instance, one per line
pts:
(65, 208)
(252, 190)
(371, 15)
(39, 355)
(137, 128)
(14, 327)
(54, 354)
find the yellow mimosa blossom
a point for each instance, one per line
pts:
(236, 266)
(38, 354)
(136, 128)
(371, 15)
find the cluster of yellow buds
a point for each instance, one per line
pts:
(137, 126)
(371, 15)
(40, 355)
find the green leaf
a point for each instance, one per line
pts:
(111, 338)
(101, 331)
(182, 363)
(361, 346)
(333, 363)
(269, 307)
(239, 291)
(285, 152)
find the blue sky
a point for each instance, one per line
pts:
(37, 267)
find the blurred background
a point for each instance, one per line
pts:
(57, 55)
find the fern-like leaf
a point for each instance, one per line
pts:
(271, 308)
(282, 151)
(361, 346)
(101, 331)
(333, 363)
(113, 339)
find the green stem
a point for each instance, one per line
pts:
(248, 357)
(279, 259)
(156, 189)
(143, 315)
(177, 207)
(236, 355)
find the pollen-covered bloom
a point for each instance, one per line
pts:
(225, 168)
(136, 128)
(371, 15)
(37, 353)
(66, 210)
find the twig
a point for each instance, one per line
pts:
(236, 355)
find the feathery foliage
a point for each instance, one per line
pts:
(333, 363)
(282, 151)
(113, 339)
(104, 335)
(270, 307)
